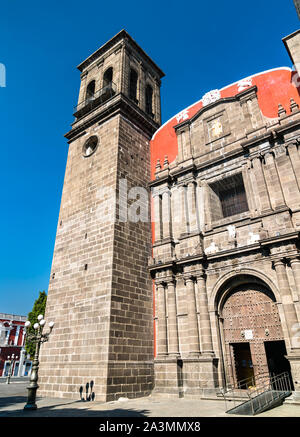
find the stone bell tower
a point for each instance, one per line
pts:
(100, 291)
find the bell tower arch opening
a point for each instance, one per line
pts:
(251, 333)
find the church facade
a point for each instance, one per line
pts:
(204, 292)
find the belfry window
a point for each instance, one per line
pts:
(149, 98)
(133, 80)
(90, 90)
(108, 77)
(228, 197)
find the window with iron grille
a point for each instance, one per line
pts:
(233, 201)
(228, 197)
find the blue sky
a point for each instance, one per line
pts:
(199, 45)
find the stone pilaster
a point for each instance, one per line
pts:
(200, 204)
(206, 206)
(287, 302)
(167, 368)
(161, 320)
(295, 264)
(166, 214)
(273, 182)
(194, 346)
(262, 190)
(173, 345)
(184, 210)
(248, 187)
(192, 207)
(292, 149)
(253, 187)
(205, 328)
(157, 216)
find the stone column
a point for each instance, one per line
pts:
(253, 185)
(183, 207)
(166, 214)
(192, 207)
(194, 346)
(292, 322)
(287, 301)
(248, 188)
(173, 345)
(273, 182)
(295, 264)
(207, 206)
(261, 186)
(295, 160)
(205, 328)
(200, 204)
(162, 348)
(289, 182)
(157, 217)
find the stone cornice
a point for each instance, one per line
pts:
(267, 136)
(119, 37)
(242, 95)
(280, 238)
(228, 252)
(119, 104)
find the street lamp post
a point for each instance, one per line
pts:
(11, 361)
(38, 338)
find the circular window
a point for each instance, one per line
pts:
(90, 146)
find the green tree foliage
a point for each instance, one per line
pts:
(38, 308)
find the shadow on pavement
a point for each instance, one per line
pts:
(11, 400)
(51, 411)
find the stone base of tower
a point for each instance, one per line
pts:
(294, 360)
(103, 383)
(190, 377)
(129, 379)
(73, 380)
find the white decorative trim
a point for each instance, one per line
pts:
(221, 89)
(211, 97)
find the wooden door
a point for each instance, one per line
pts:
(250, 315)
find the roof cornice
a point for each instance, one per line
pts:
(121, 36)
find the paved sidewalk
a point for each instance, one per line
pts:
(13, 398)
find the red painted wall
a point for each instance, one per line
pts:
(273, 87)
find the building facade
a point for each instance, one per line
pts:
(226, 258)
(12, 341)
(219, 266)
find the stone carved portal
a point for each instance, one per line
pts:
(250, 320)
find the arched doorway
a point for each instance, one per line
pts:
(252, 337)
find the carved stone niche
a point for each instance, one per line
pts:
(216, 126)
